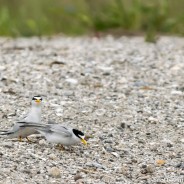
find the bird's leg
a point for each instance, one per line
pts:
(62, 147)
(20, 138)
(28, 139)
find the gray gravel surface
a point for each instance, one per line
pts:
(125, 94)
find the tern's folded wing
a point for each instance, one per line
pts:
(62, 130)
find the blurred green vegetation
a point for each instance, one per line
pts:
(48, 17)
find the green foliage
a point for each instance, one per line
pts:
(47, 17)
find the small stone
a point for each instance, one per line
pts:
(150, 168)
(174, 92)
(57, 62)
(95, 164)
(5, 170)
(12, 114)
(153, 146)
(178, 165)
(110, 135)
(147, 169)
(105, 69)
(72, 81)
(140, 84)
(134, 160)
(68, 93)
(2, 67)
(144, 171)
(172, 155)
(160, 162)
(144, 166)
(115, 154)
(122, 125)
(169, 145)
(106, 73)
(52, 157)
(80, 181)
(141, 141)
(42, 142)
(77, 177)
(109, 149)
(153, 120)
(108, 141)
(182, 166)
(132, 127)
(54, 172)
(176, 67)
(27, 171)
(7, 144)
(144, 177)
(124, 170)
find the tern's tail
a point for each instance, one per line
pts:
(6, 132)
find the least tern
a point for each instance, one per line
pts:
(57, 133)
(34, 115)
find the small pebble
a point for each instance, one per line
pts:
(7, 144)
(42, 142)
(77, 177)
(123, 125)
(54, 172)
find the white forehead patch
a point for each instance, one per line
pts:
(82, 136)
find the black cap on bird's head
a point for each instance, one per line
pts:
(37, 99)
(80, 135)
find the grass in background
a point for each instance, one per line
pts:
(48, 17)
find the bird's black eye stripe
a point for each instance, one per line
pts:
(37, 97)
(78, 133)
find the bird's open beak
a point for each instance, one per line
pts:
(84, 141)
(37, 101)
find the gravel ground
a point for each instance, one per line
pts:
(125, 94)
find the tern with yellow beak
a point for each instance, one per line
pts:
(57, 133)
(34, 115)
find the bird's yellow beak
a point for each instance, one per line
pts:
(37, 101)
(84, 141)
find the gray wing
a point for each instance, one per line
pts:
(49, 128)
(42, 128)
(64, 131)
